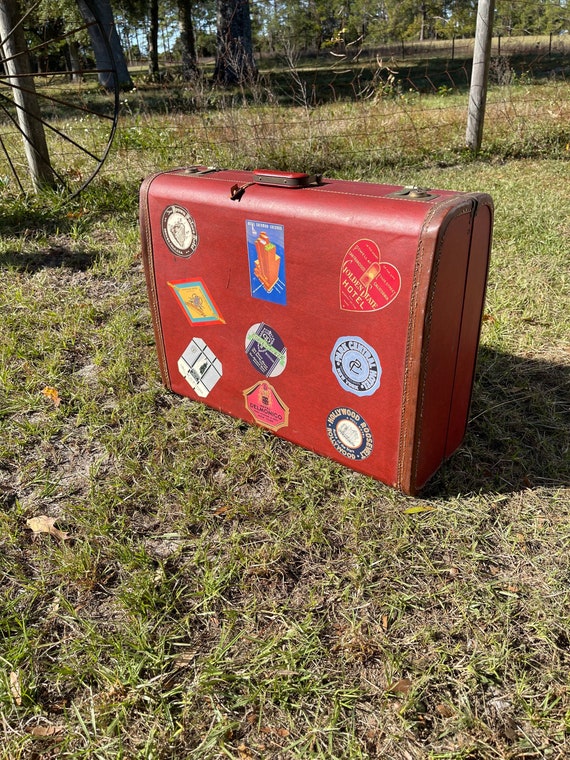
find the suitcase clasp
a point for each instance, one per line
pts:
(198, 171)
(413, 192)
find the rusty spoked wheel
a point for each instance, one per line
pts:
(59, 97)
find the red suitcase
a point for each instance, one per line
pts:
(342, 316)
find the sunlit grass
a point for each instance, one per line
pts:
(381, 132)
(223, 593)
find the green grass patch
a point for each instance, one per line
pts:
(220, 593)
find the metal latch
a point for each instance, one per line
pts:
(198, 171)
(413, 192)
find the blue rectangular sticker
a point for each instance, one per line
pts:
(266, 254)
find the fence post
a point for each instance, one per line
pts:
(19, 76)
(480, 74)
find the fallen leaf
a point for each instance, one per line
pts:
(46, 732)
(282, 732)
(185, 659)
(402, 686)
(52, 395)
(444, 710)
(181, 662)
(45, 524)
(420, 508)
(15, 687)
(511, 729)
(507, 590)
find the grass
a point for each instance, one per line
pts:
(394, 126)
(224, 594)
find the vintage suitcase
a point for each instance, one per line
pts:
(342, 316)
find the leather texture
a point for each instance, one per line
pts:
(342, 316)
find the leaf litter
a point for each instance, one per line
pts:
(45, 524)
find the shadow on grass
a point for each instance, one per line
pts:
(316, 80)
(49, 215)
(518, 436)
(38, 219)
(53, 257)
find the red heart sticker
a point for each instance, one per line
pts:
(366, 283)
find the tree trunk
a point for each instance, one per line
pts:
(190, 69)
(235, 63)
(423, 12)
(102, 52)
(74, 61)
(152, 40)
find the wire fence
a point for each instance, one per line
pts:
(455, 47)
(353, 115)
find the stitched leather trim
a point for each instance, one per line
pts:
(417, 343)
(426, 345)
(148, 263)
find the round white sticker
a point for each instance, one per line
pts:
(179, 230)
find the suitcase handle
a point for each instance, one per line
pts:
(285, 179)
(275, 178)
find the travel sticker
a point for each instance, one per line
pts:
(265, 350)
(366, 282)
(349, 433)
(199, 367)
(266, 255)
(264, 404)
(179, 230)
(196, 302)
(356, 365)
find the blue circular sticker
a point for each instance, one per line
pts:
(265, 350)
(356, 365)
(349, 433)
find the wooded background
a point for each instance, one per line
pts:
(155, 33)
(324, 24)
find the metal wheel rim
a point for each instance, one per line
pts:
(105, 120)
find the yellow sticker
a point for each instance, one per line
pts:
(196, 302)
